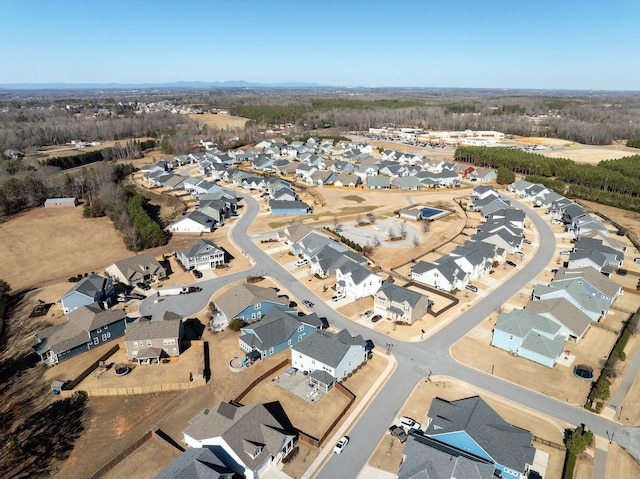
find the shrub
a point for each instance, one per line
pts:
(622, 356)
(236, 324)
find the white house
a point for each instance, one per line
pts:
(356, 281)
(248, 439)
(194, 222)
(445, 274)
(338, 354)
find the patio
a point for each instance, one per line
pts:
(299, 384)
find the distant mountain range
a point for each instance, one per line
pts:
(179, 84)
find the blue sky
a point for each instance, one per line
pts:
(562, 44)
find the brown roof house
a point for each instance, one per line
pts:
(141, 268)
(149, 340)
(248, 439)
(248, 302)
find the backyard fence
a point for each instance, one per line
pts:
(113, 462)
(72, 384)
(258, 380)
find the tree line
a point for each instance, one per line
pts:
(129, 151)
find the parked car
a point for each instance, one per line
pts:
(308, 303)
(337, 297)
(526, 241)
(398, 433)
(471, 287)
(556, 222)
(636, 260)
(340, 445)
(621, 272)
(197, 274)
(511, 263)
(194, 289)
(143, 286)
(408, 423)
(518, 253)
(376, 318)
(368, 313)
(554, 270)
(564, 253)
(301, 262)
(338, 229)
(621, 232)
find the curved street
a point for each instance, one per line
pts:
(413, 359)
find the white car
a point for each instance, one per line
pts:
(337, 297)
(301, 262)
(564, 253)
(340, 445)
(408, 423)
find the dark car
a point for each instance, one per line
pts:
(398, 433)
(471, 287)
(197, 274)
(621, 272)
(376, 318)
(511, 263)
(143, 286)
(194, 289)
(308, 303)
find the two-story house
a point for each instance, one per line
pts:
(203, 255)
(149, 340)
(400, 304)
(248, 302)
(90, 289)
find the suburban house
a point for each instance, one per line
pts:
(325, 261)
(294, 232)
(148, 340)
(530, 336)
(201, 256)
(276, 331)
(86, 328)
(378, 182)
(90, 289)
(143, 268)
(194, 222)
(247, 439)
(445, 274)
(356, 281)
(248, 302)
(577, 293)
(400, 304)
(285, 207)
(471, 425)
(425, 457)
(595, 282)
(312, 243)
(337, 354)
(574, 322)
(196, 463)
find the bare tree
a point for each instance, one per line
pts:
(403, 230)
(415, 241)
(426, 224)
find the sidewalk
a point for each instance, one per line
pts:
(327, 450)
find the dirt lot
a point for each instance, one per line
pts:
(388, 454)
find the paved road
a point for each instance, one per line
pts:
(414, 359)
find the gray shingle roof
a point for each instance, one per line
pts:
(505, 444)
(203, 246)
(142, 264)
(274, 328)
(89, 285)
(164, 327)
(196, 463)
(237, 425)
(328, 348)
(60, 338)
(92, 316)
(398, 294)
(427, 458)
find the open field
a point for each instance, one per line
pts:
(155, 454)
(388, 454)
(219, 122)
(71, 150)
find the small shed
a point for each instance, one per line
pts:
(61, 203)
(57, 387)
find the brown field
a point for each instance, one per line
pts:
(70, 150)
(591, 154)
(220, 122)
